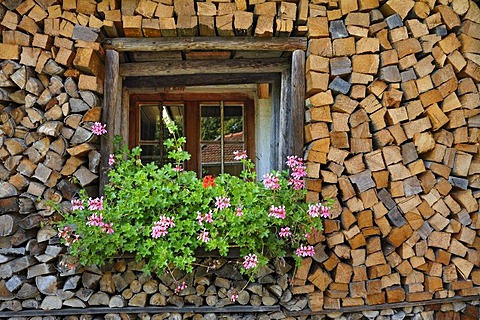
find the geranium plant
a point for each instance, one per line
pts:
(164, 214)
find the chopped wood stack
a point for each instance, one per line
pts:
(123, 283)
(393, 134)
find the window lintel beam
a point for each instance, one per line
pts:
(185, 67)
(206, 43)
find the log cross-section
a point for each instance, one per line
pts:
(206, 43)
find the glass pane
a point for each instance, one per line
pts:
(153, 131)
(152, 153)
(232, 166)
(210, 123)
(233, 123)
(174, 113)
(152, 127)
(151, 122)
(211, 159)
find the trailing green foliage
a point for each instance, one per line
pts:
(164, 214)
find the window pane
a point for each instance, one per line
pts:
(152, 153)
(233, 123)
(231, 165)
(210, 123)
(174, 113)
(211, 159)
(150, 122)
(153, 131)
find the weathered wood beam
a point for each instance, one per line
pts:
(206, 43)
(284, 120)
(137, 310)
(200, 80)
(110, 109)
(298, 103)
(204, 66)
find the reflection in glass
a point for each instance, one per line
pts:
(153, 131)
(210, 123)
(211, 159)
(231, 165)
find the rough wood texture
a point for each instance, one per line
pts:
(198, 66)
(168, 44)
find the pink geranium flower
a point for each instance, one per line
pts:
(180, 287)
(95, 204)
(108, 228)
(239, 212)
(77, 204)
(250, 261)
(305, 251)
(161, 226)
(95, 221)
(222, 202)
(111, 159)
(207, 217)
(203, 236)
(315, 210)
(99, 129)
(277, 212)
(285, 232)
(271, 181)
(239, 155)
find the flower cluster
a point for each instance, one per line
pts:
(204, 236)
(318, 210)
(285, 232)
(181, 287)
(95, 220)
(165, 214)
(222, 202)
(305, 251)
(111, 159)
(299, 171)
(207, 217)
(250, 261)
(99, 129)
(66, 233)
(161, 226)
(77, 204)
(108, 228)
(95, 204)
(271, 181)
(277, 212)
(208, 181)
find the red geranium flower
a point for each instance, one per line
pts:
(208, 181)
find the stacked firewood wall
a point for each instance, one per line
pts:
(392, 134)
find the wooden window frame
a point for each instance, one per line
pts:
(191, 102)
(290, 72)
